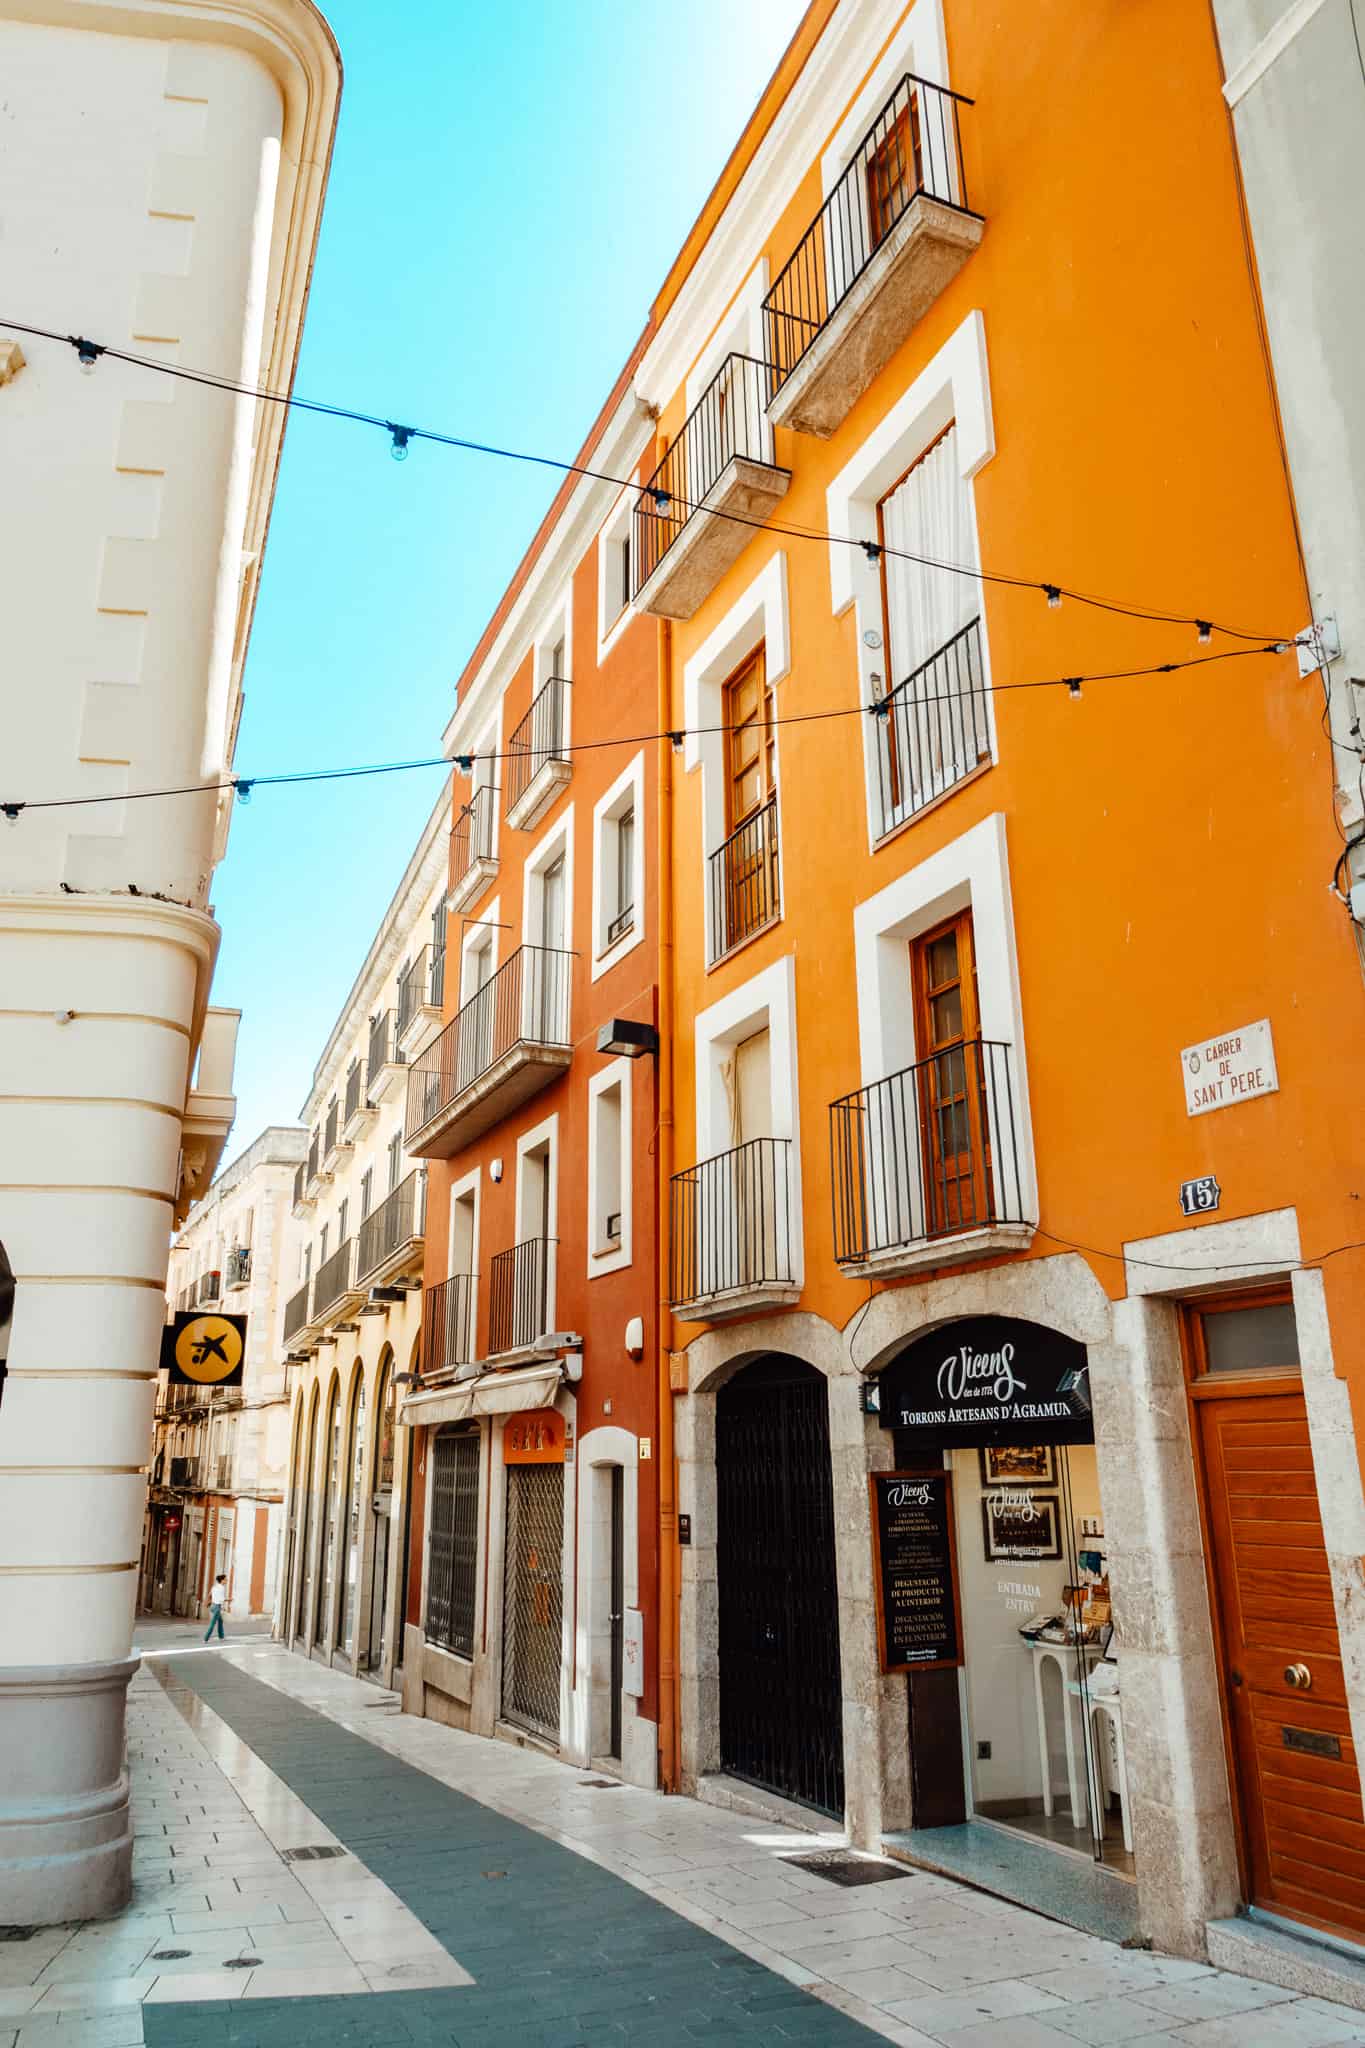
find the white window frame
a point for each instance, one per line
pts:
(470, 1183)
(558, 840)
(739, 332)
(760, 617)
(616, 527)
(478, 931)
(954, 388)
(970, 873)
(626, 793)
(486, 753)
(559, 626)
(547, 1134)
(920, 44)
(766, 1001)
(618, 1074)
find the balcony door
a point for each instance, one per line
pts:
(954, 1151)
(933, 732)
(749, 880)
(550, 965)
(753, 1190)
(895, 171)
(475, 1049)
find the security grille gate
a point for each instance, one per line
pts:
(781, 1718)
(454, 1541)
(533, 1597)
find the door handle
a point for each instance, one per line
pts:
(1236, 1677)
(1298, 1675)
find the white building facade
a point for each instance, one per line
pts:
(351, 1326)
(220, 1455)
(164, 169)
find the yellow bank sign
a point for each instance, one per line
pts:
(204, 1350)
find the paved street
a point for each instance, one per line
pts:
(477, 1894)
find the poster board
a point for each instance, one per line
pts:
(914, 1571)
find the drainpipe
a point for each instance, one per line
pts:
(668, 1478)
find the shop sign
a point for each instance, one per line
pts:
(1021, 1524)
(914, 1571)
(989, 1380)
(204, 1350)
(534, 1439)
(1233, 1067)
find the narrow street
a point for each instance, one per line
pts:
(463, 1891)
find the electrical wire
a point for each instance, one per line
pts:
(12, 807)
(402, 435)
(1300, 1265)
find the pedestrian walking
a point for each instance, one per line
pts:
(216, 1599)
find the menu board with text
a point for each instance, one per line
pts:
(915, 1571)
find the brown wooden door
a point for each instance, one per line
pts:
(1303, 1832)
(953, 1127)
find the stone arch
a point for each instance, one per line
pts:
(1060, 1293)
(721, 1352)
(302, 1615)
(328, 1475)
(284, 1621)
(352, 1519)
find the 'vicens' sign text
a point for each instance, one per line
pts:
(989, 1380)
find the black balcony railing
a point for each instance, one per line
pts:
(354, 1076)
(931, 730)
(538, 739)
(448, 1324)
(383, 1047)
(333, 1279)
(185, 1472)
(296, 1312)
(744, 880)
(314, 1157)
(473, 833)
(329, 1140)
(730, 418)
(928, 1152)
(300, 1182)
(210, 1286)
(731, 1222)
(239, 1265)
(396, 1222)
(914, 146)
(437, 978)
(525, 1003)
(412, 989)
(518, 1290)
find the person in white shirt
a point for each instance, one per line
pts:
(216, 1599)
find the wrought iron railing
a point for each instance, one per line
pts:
(333, 1279)
(437, 979)
(525, 1002)
(239, 1265)
(314, 1157)
(300, 1182)
(518, 1293)
(210, 1286)
(383, 1047)
(354, 1075)
(928, 1152)
(448, 1323)
(296, 1312)
(914, 146)
(538, 739)
(730, 418)
(473, 833)
(730, 1222)
(931, 730)
(397, 1221)
(329, 1141)
(412, 989)
(745, 894)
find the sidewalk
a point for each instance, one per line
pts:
(477, 1894)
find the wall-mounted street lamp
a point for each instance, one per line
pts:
(631, 1040)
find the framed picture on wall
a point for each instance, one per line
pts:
(1021, 1524)
(1018, 1465)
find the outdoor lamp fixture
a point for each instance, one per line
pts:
(631, 1040)
(872, 1397)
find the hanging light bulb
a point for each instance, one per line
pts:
(399, 447)
(1053, 596)
(1073, 688)
(243, 786)
(88, 354)
(1204, 630)
(677, 740)
(661, 499)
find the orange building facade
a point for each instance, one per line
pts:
(1007, 1127)
(532, 1597)
(886, 1343)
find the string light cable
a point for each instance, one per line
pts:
(668, 506)
(12, 808)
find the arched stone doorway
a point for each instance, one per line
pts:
(386, 1414)
(781, 1712)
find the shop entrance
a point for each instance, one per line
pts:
(1024, 1729)
(781, 1713)
(1293, 1763)
(533, 1572)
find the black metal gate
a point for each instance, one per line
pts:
(781, 1714)
(533, 1597)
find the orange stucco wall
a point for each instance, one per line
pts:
(1170, 839)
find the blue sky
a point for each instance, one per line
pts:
(509, 187)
